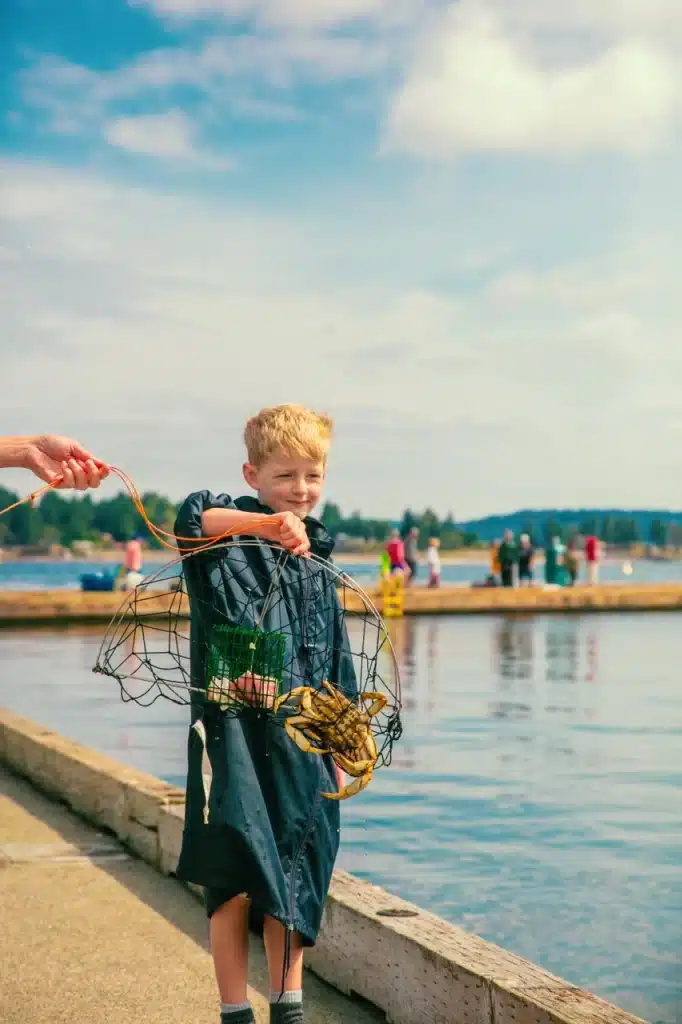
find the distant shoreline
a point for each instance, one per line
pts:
(469, 557)
(152, 556)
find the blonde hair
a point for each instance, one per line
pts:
(291, 429)
(434, 541)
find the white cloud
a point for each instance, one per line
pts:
(657, 18)
(167, 320)
(170, 135)
(296, 13)
(476, 86)
(234, 76)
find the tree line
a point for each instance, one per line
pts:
(62, 519)
(618, 531)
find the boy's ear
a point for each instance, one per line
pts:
(250, 475)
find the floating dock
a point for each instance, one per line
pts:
(65, 607)
(97, 931)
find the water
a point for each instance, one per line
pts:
(27, 575)
(535, 797)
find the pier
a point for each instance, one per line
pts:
(96, 929)
(63, 607)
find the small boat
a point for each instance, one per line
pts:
(98, 581)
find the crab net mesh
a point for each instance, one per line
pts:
(249, 628)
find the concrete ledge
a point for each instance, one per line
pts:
(413, 965)
(35, 608)
(128, 803)
(58, 607)
(606, 597)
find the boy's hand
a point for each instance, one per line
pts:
(287, 530)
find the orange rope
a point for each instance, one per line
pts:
(241, 526)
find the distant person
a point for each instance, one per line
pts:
(433, 561)
(131, 571)
(592, 557)
(133, 555)
(395, 549)
(50, 456)
(551, 563)
(562, 577)
(526, 559)
(507, 556)
(412, 553)
(495, 567)
(572, 561)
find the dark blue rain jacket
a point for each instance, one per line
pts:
(265, 829)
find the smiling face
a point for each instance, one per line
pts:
(287, 483)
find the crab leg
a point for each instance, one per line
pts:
(299, 737)
(355, 787)
(378, 703)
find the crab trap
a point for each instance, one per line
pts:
(246, 626)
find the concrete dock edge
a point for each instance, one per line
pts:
(62, 607)
(416, 967)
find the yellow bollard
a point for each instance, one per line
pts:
(393, 594)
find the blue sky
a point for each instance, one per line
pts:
(453, 226)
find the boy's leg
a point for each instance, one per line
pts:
(229, 929)
(286, 1005)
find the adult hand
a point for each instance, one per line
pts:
(51, 456)
(289, 531)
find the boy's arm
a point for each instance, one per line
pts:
(281, 528)
(204, 515)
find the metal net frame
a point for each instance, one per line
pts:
(254, 629)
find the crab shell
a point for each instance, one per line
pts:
(326, 720)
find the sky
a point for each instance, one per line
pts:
(454, 227)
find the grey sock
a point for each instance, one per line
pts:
(240, 1013)
(288, 1009)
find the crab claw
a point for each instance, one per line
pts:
(355, 768)
(295, 694)
(352, 789)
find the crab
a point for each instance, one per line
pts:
(326, 722)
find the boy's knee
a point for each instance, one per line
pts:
(219, 901)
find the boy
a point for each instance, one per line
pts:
(260, 837)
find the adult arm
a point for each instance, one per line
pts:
(50, 456)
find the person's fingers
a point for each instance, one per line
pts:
(297, 546)
(92, 473)
(67, 481)
(79, 476)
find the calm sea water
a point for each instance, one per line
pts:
(535, 797)
(28, 575)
